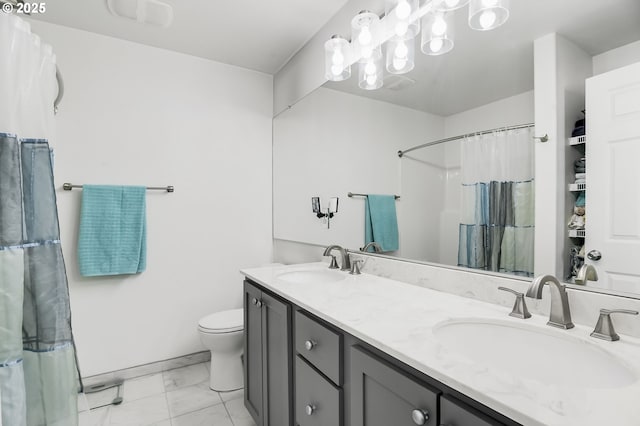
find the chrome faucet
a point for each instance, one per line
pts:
(376, 247)
(346, 264)
(586, 273)
(559, 315)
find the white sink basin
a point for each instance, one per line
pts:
(551, 357)
(316, 276)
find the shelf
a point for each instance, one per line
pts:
(577, 187)
(577, 233)
(578, 140)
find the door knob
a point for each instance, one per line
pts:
(309, 344)
(310, 409)
(254, 301)
(419, 417)
(594, 255)
(259, 303)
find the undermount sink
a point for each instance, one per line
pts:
(316, 276)
(549, 356)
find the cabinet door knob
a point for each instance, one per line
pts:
(309, 344)
(259, 303)
(254, 301)
(594, 255)
(419, 417)
(310, 409)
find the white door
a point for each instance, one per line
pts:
(613, 178)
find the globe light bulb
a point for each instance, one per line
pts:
(401, 28)
(365, 36)
(370, 69)
(399, 63)
(403, 9)
(336, 70)
(487, 19)
(489, 3)
(451, 4)
(439, 26)
(401, 50)
(436, 45)
(371, 79)
(337, 58)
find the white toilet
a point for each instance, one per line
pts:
(222, 334)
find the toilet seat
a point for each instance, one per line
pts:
(222, 322)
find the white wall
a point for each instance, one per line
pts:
(616, 58)
(331, 143)
(134, 114)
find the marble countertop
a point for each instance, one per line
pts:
(399, 319)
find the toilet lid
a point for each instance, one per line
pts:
(224, 321)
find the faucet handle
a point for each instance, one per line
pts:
(355, 267)
(519, 307)
(334, 263)
(604, 327)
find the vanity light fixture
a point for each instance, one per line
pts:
(370, 72)
(437, 34)
(400, 55)
(485, 15)
(337, 55)
(398, 28)
(364, 33)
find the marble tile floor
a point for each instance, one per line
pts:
(179, 397)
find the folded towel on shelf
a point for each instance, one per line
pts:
(112, 239)
(381, 222)
(578, 131)
(581, 175)
(580, 181)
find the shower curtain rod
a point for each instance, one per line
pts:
(483, 132)
(68, 187)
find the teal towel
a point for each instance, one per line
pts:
(381, 222)
(113, 230)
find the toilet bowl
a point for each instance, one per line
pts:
(221, 333)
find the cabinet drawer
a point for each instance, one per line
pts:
(320, 346)
(455, 413)
(318, 401)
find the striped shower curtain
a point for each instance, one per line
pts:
(497, 214)
(39, 380)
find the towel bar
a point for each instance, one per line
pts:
(68, 187)
(353, 194)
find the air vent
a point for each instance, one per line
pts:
(397, 82)
(151, 12)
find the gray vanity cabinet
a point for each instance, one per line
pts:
(456, 413)
(268, 354)
(382, 395)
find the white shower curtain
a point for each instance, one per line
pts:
(497, 214)
(38, 370)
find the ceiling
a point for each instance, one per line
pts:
(259, 35)
(488, 66)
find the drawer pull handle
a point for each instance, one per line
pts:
(309, 345)
(419, 417)
(310, 409)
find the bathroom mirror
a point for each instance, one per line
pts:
(341, 139)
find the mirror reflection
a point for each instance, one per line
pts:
(467, 198)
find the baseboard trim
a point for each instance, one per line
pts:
(151, 368)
